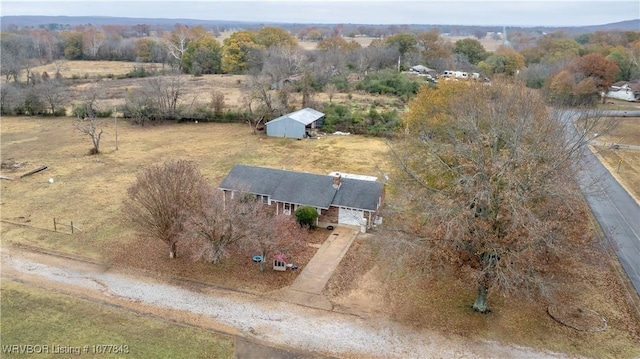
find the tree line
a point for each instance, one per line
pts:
(569, 69)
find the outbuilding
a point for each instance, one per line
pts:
(295, 124)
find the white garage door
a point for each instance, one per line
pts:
(350, 216)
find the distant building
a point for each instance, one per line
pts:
(295, 124)
(625, 90)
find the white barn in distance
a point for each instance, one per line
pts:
(295, 124)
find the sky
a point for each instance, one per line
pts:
(430, 12)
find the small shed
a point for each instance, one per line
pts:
(295, 124)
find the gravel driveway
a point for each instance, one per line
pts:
(278, 322)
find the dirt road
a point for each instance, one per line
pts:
(257, 318)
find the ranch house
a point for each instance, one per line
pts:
(295, 124)
(338, 198)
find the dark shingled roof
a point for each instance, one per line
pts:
(360, 194)
(303, 188)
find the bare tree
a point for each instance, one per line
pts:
(260, 100)
(54, 94)
(164, 93)
(87, 120)
(270, 234)
(92, 127)
(491, 178)
(159, 98)
(60, 65)
(162, 199)
(92, 40)
(14, 53)
(331, 90)
(281, 62)
(217, 102)
(216, 225)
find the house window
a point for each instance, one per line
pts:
(265, 199)
(287, 209)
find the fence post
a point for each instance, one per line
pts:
(71, 227)
(55, 228)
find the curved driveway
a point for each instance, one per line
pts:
(616, 211)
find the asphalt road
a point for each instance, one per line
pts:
(616, 211)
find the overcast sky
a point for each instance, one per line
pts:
(470, 12)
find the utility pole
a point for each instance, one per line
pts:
(115, 119)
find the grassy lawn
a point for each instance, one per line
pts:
(32, 316)
(623, 164)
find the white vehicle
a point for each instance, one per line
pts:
(460, 75)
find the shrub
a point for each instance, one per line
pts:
(138, 71)
(86, 109)
(33, 104)
(341, 83)
(60, 112)
(104, 114)
(234, 116)
(306, 216)
(200, 113)
(389, 82)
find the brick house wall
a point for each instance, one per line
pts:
(329, 215)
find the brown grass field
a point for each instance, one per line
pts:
(197, 90)
(89, 190)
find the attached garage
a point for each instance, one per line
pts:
(350, 216)
(295, 124)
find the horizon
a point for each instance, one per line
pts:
(533, 13)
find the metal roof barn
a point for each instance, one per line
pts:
(294, 125)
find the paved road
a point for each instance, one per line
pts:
(616, 211)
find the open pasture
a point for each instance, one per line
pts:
(89, 190)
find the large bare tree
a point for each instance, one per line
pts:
(217, 225)
(224, 225)
(491, 175)
(162, 199)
